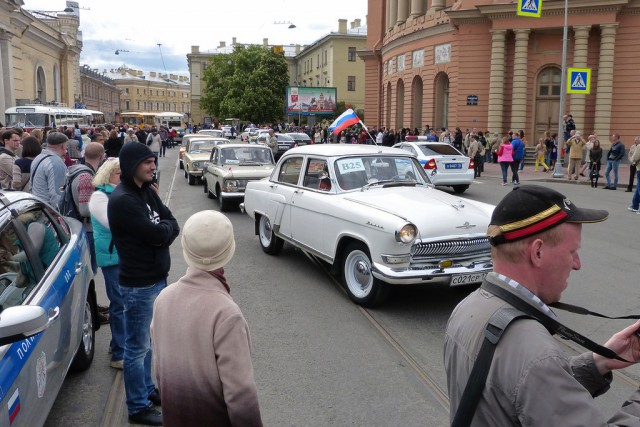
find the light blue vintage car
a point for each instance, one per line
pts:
(48, 306)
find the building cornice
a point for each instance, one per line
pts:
(550, 9)
(416, 36)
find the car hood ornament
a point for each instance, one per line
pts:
(466, 226)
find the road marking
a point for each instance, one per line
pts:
(167, 198)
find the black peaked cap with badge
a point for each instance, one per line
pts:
(532, 209)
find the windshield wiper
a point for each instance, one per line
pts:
(383, 181)
(400, 184)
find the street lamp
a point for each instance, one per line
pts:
(118, 51)
(291, 25)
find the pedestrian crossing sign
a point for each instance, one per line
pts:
(579, 80)
(530, 8)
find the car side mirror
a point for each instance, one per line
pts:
(24, 321)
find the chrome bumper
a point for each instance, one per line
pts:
(415, 274)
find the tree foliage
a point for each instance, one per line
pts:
(248, 84)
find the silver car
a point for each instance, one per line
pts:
(48, 306)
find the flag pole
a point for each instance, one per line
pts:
(367, 130)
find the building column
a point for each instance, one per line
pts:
(417, 8)
(604, 95)
(581, 36)
(496, 81)
(403, 11)
(387, 6)
(438, 4)
(7, 98)
(519, 94)
(393, 13)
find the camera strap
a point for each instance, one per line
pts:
(495, 328)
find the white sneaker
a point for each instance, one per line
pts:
(630, 208)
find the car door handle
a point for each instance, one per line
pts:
(79, 267)
(54, 313)
(298, 192)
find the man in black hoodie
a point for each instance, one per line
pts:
(143, 229)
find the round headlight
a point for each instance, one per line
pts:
(407, 234)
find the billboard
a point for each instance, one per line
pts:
(308, 101)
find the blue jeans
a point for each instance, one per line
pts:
(612, 165)
(138, 311)
(635, 203)
(116, 311)
(505, 170)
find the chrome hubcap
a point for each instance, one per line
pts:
(87, 329)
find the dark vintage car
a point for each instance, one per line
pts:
(285, 142)
(300, 138)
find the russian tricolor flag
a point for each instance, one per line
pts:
(14, 406)
(346, 119)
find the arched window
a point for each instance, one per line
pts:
(441, 100)
(56, 83)
(41, 86)
(416, 96)
(399, 105)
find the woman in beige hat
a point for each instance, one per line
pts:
(191, 318)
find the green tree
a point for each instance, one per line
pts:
(248, 84)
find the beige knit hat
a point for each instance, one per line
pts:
(207, 240)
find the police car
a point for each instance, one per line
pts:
(48, 306)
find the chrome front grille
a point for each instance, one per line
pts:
(451, 249)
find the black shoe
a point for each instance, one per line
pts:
(627, 191)
(612, 188)
(606, 187)
(148, 417)
(154, 397)
(103, 308)
(103, 318)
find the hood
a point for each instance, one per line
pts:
(434, 212)
(131, 156)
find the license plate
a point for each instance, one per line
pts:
(465, 279)
(453, 165)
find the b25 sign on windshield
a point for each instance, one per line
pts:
(350, 165)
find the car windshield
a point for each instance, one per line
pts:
(200, 146)
(284, 138)
(211, 132)
(357, 172)
(245, 156)
(439, 150)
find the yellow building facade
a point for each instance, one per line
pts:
(151, 92)
(40, 54)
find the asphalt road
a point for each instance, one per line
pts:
(320, 360)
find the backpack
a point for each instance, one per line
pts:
(68, 206)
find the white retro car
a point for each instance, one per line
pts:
(372, 213)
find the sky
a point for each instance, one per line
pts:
(138, 26)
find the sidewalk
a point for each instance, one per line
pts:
(492, 170)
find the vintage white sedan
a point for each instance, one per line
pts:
(231, 167)
(372, 213)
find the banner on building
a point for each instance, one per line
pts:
(530, 8)
(579, 80)
(308, 101)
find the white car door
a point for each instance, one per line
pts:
(283, 190)
(309, 206)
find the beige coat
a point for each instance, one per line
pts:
(202, 355)
(7, 173)
(634, 154)
(576, 145)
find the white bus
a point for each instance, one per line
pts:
(39, 116)
(173, 121)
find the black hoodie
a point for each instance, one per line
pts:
(142, 227)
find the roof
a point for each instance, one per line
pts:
(331, 150)
(144, 77)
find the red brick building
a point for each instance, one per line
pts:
(475, 63)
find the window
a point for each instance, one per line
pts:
(138, 105)
(126, 105)
(138, 91)
(311, 67)
(144, 91)
(290, 171)
(144, 105)
(316, 176)
(126, 90)
(351, 83)
(318, 61)
(325, 57)
(351, 55)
